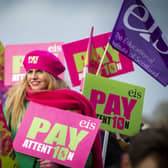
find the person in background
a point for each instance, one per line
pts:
(41, 84)
(149, 148)
(117, 145)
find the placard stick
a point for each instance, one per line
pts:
(101, 61)
(106, 135)
(105, 144)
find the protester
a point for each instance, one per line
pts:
(149, 148)
(41, 84)
(117, 145)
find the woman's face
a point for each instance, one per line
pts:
(37, 79)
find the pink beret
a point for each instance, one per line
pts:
(43, 60)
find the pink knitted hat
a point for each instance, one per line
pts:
(43, 60)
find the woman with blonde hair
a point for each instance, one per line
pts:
(16, 97)
(41, 84)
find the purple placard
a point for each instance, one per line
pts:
(138, 37)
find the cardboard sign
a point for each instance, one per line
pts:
(114, 63)
(118, 104)
(14, 56)
(53, 134)
(7, 155)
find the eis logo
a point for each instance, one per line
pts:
(137, 18)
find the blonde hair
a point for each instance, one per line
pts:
(16, 98)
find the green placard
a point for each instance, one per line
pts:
(118, 104)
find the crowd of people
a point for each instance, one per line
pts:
(147, 149)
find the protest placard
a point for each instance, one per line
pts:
(137, 35)
(114, 62)
(7, 154)
(118, 104)
(57, 135)
(14, 56)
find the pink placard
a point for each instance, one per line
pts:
(53, 134)
(114, 63)
(14, 56)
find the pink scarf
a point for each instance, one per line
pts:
(70, 100)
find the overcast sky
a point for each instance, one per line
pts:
(27, 21)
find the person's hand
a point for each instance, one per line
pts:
(47, 164)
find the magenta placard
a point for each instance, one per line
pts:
(114, 63)
(7, 157)
(14, 55)
(53, 134)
